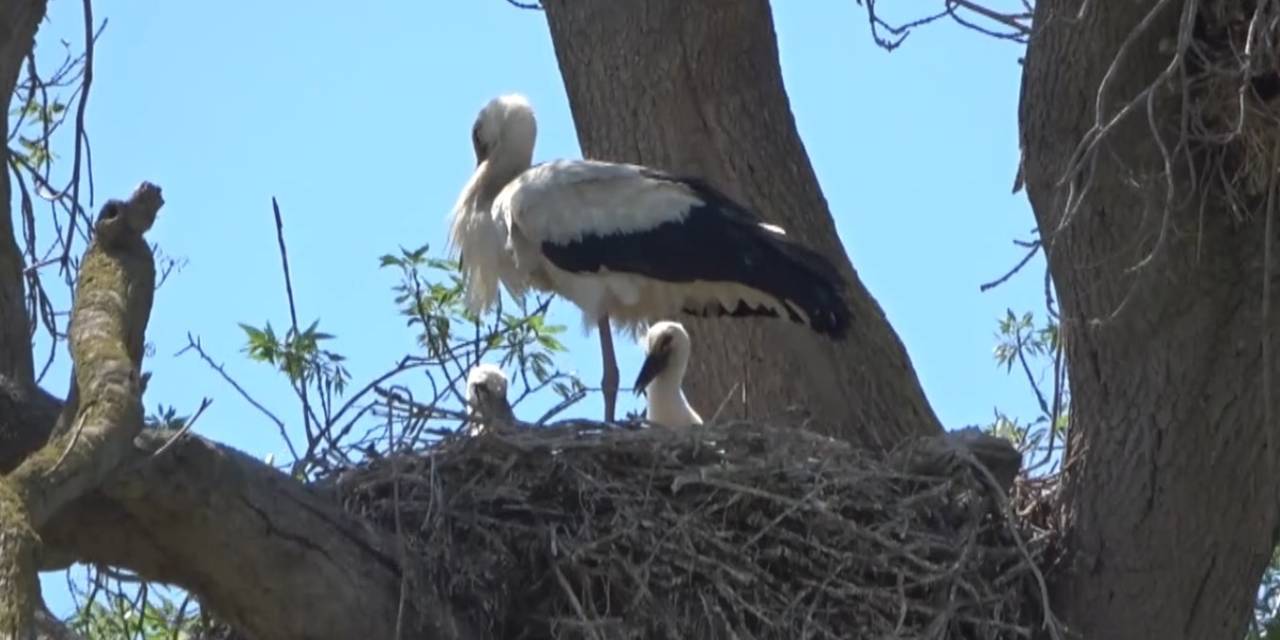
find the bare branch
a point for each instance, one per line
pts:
(193, 344)
(1031, 253)
(308, 418)
(81, 139)
(1008, 25)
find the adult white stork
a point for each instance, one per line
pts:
(661, 376)
(624, 242)
(487, 405)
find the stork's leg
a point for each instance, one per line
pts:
(609, 383)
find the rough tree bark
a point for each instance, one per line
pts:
(1170, 502)
(112, 305)
(18, 433)
(695, 87)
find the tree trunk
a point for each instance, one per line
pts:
(20, 399)
(18, 22)
(695, 87)
(1170, 502)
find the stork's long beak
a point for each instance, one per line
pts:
(654, 364)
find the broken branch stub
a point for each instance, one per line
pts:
(104, 411)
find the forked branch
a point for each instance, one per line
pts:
(104, 412)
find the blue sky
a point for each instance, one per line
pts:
(359, 123)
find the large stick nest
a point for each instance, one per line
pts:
(719, 532)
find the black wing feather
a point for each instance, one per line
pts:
(718, 241)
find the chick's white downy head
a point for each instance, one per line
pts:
(667, 348)
(486, 396)
(485, 380)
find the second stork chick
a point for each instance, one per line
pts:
(487, 405)
(661, 376)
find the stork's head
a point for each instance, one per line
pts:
(505, 129)
(485, 383)
(666, 347)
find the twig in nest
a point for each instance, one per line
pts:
(569, 401)
(573, 598)
(1051, 623)
(724, 402)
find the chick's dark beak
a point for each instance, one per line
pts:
(654, 364)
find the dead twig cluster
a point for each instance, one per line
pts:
(735, 530)
(1211, 112)
(1000, 19)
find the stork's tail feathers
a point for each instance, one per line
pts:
(789, 281)
(816, 288)
(801, 285)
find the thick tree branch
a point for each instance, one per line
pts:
(259, 548)
(108, 322)
(27, 416)
(49, 627)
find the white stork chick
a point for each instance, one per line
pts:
(624, 242)
(661, 376)
(486, 397)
